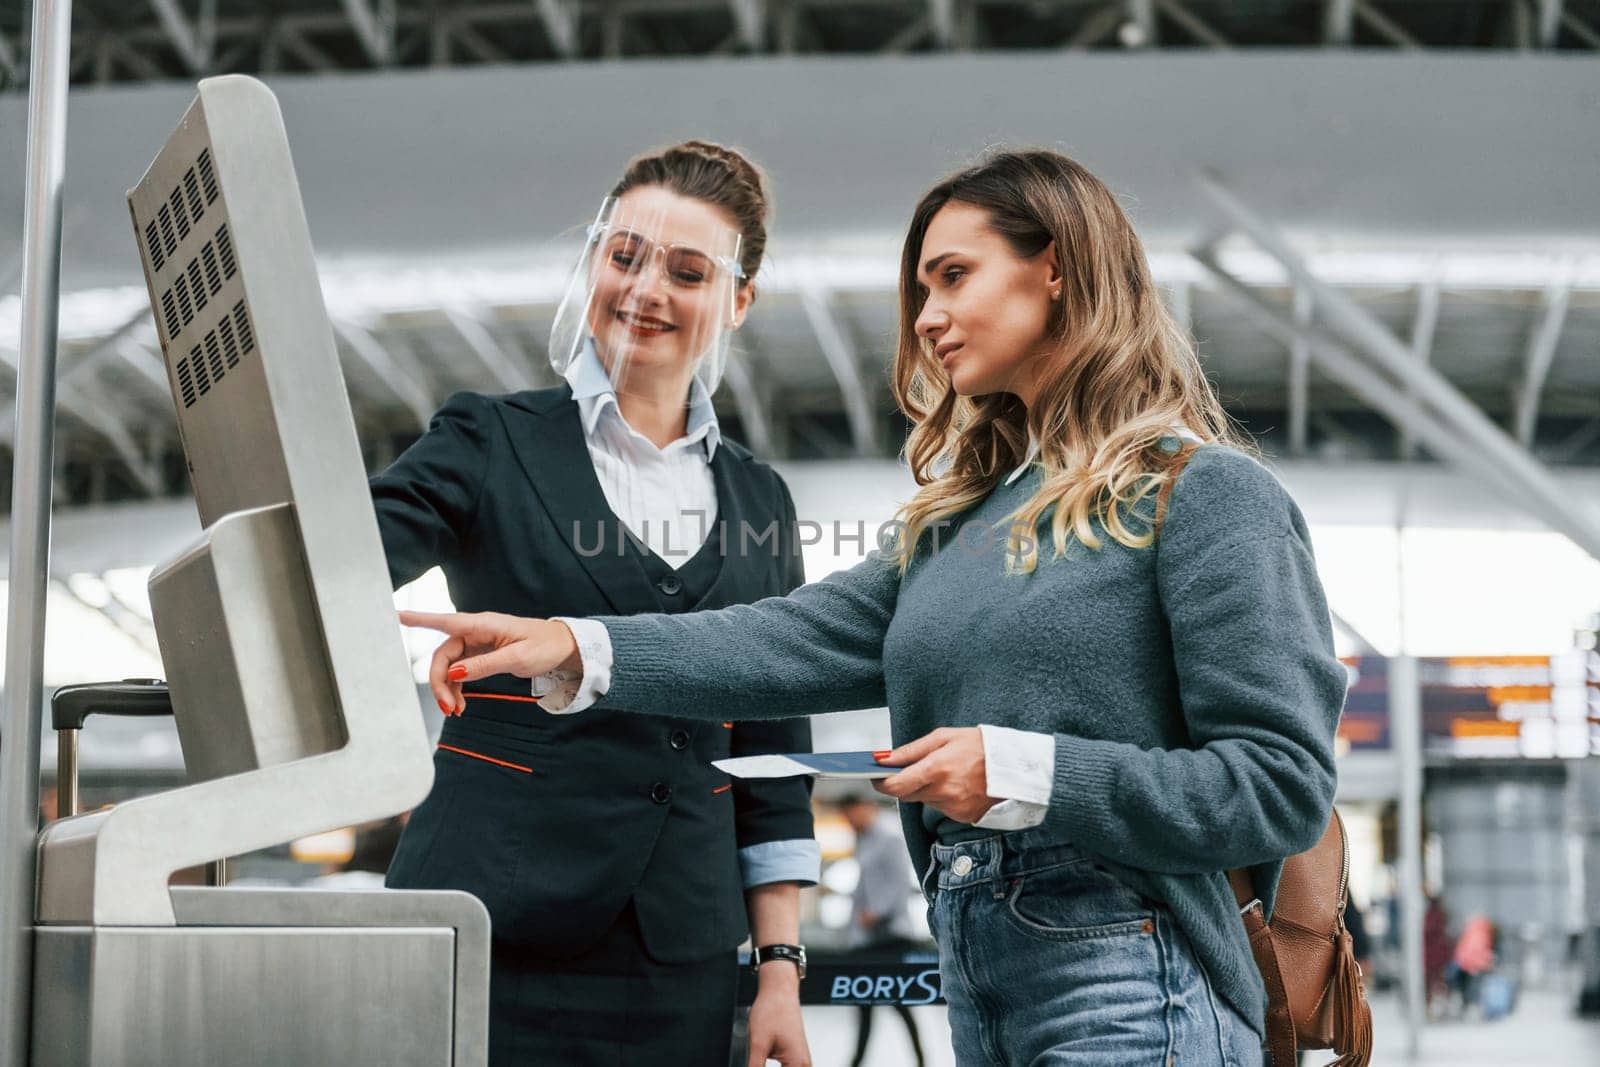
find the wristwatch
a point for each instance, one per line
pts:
(795, 954)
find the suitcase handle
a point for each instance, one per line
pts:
(72, 704)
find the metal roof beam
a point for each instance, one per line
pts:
(374, 23)
(501, 367)
(941, 23)
(1095, 28)
(1424, 323)
(1141, 30)
(1364, 647)
(841, 357)
(1300, 375)
(314, 58)
(1540, 355)
(1468, 430)
(908, 36)
(752, 410)
(191, 39)
(1193, 24)
(1383, 25)
(144, 362)
(1337, 18)
(11, 72)
(381, 362)
(91, 407)
(1549, 22)
(750, 23)
(560, 21)
(1340, 363)
(1580, 29)
(477, 45)
(133, 625)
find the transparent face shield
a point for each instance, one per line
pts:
(654, 297)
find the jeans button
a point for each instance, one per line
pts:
(661, 792)
(962, 866)
(679, 739)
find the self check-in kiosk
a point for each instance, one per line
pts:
(286, 674)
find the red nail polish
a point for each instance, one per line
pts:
(446, 708)
(881, 756)
(456, 673)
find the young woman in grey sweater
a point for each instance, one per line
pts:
(1099, 709)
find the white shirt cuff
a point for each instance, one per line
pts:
(795, 860)
(568, 692)
(1019, 770)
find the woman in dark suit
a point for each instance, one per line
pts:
(620, 869)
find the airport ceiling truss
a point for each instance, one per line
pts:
(152, 40)
(1335, 358)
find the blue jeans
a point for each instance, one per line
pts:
(1047, 959)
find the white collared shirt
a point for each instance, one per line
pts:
(667, 498)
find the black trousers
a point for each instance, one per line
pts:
(610, 1006)
(888, 947)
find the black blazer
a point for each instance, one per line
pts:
(554, 821)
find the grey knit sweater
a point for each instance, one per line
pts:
(1191, 686)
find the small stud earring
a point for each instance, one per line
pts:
(1055, 294)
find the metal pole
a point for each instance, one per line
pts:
(30, 519)
(1405, 722)
(1561, 510)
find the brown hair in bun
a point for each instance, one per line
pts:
(716, 175)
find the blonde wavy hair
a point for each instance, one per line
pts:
(1117, 374)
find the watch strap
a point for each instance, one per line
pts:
(795, 954)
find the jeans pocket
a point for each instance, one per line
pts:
(1076, 902)
(930, 894)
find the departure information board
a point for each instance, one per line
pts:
(1531, 707)
(1483, 707)
(1364, 727)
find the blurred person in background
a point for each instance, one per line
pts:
(880, 924)
(620, 870)
(1436, 950)
(1473, 958)
(1089, 737)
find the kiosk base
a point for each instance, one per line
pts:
(269, 977)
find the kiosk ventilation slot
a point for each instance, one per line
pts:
(207, 178)
(209, 362)
(198, 365)
(168, 241)
(195, 285)
(225, 251)
(152, 241)
(191, 189)
(181, 211)
(198, 282)
(241, 321)
(186, 383)
(180, 214)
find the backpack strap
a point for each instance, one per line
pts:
(1264, 947)
(1180, 460)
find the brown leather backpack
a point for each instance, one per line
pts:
(1315, 997)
